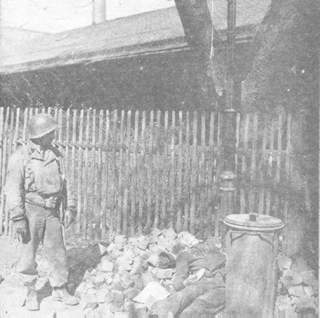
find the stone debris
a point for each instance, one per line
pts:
(151, 293)
(297, 288)
(132, 274)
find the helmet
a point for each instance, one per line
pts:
(41, 125)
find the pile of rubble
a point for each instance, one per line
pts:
(297, 287)
(132, 274)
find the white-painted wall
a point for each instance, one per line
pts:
(60, 15)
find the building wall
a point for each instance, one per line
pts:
(164, 81)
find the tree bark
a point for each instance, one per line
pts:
(284, 76)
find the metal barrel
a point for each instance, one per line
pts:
(252, 245)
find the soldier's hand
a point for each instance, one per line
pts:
(21, 230)
(69, 217)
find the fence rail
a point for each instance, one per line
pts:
(134, 170)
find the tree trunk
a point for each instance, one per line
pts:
(284, 76)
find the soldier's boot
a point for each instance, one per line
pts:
(61, 294)
(32, 301)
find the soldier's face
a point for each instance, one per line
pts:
(46, 140)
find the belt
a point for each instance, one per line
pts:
(46, 203)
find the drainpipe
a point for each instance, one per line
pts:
(98, 11)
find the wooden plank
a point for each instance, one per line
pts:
(2, 176)
(25, 123)
(156, 169)
(203, 195)
(172, 171)
(236, 156)
(80, 176)
(254, 138)
(106, 210)
(165, 183)
(150, 172)
(98, 181)
(120, 182)
(114, 177)
(94, 216)
(10, 151)
(15, 113)
(187, 152)
(278, 166)
(136, 222)
(6, 153)
(193, 220)
(243, 190)
(270, 166)
(67, 143)
(11, 129)
(142, 176)
(287, 173)
(72, 178)
(16, 128)
(218, 165)
(86, 177)
(60, 125)
(127, 218)
(211, 170)
(179, 221)
(261, 170)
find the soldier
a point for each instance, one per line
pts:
(36, 189)
(199, 284)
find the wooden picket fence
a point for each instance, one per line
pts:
(135, 170)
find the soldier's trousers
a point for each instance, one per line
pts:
(45, 227)
(200, 300)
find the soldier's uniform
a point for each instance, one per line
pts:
(35, 189)
(203, 297)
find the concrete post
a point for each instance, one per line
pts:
(227, 197)
(98, 11)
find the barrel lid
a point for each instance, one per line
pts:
(253, 222)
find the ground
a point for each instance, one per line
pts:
(12, 292)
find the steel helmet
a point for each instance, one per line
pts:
(41, 125)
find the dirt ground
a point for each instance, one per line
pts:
(12, 291)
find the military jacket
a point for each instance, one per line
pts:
(35, 174)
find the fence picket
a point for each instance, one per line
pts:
(253, 171)
(72, 178)
(287, 175)
(127, 217)
(2, 176)
(193, 172)
(270, 168)
(186, 151)
(172, 170)
(278, 165)
(212, 192)
(93, 178)
(261, 170)
(113, 172)
(80, 169)
(243, 189)
(136, 220)
(86, 213)
(4, 170)
(99, 176)
(149, 169)
(104, 194)
(142, 175)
